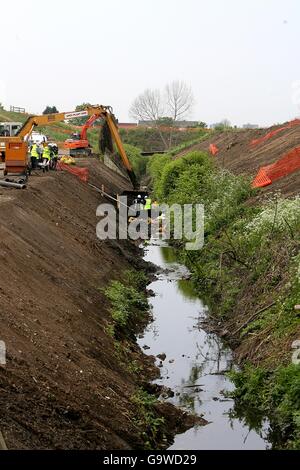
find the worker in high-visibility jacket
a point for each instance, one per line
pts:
(46, 157)
(148, 205)
(34, 156)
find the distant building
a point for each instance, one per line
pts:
(250, 126)
(224, 124)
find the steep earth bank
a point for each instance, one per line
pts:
(238, 155)
(63, 385)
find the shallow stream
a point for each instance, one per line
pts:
(195, 360)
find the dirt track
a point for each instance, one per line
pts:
(236, 154)
(62, 386)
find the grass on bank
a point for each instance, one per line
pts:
(128, 302)
(152, 426)
(129, 306)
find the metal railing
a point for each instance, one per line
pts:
(17, 109)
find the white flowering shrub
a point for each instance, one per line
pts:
(280, 215)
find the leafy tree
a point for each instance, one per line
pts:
(1, 107)
(165, 122)
(50, 110)
(81, 120)
(202, 124)
(223, 125)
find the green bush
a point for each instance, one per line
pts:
(194, 178)
(148, 419)
(128, 300)
(137, 161)
(275, 394)
(177, 173)
(155, 168)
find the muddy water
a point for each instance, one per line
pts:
(195, 361)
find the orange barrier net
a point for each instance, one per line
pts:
(213, 149)
(269, 135)
(283, 167)
(81, 173)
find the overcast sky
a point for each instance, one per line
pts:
(240, 57)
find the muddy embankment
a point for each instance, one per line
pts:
(237, 155)
(63, 385)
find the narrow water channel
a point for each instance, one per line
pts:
(195, 360)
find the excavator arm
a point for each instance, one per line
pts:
(48, 119)
(119, 144)
(95, 112)
(15, 148)
(87, 125)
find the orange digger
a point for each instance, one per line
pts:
(78, 144)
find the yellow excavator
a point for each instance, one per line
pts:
(14, 148)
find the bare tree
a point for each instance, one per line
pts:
(176, 103)
(179, 100)
(148, 106)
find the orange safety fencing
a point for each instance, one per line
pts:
(283, 167)
(269, 135)
(81, 173)
(213, 149)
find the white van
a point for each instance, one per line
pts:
(9, 129)
(37, 138)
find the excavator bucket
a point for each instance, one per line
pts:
(105, 139)
(111, 159)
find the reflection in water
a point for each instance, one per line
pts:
(168, 254)
(187, 289)
(189, 398)
(196, 361)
